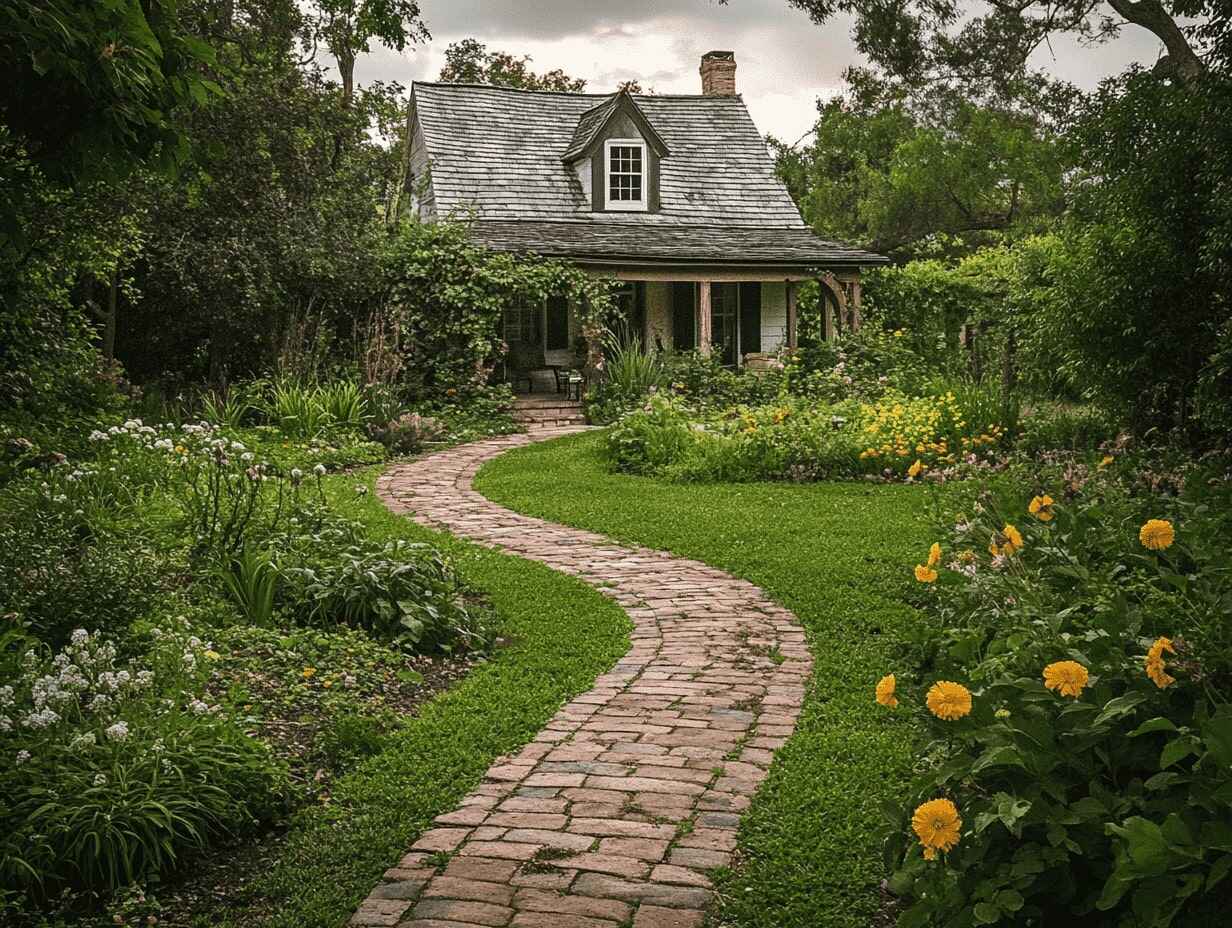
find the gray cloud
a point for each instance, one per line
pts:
(785, 62)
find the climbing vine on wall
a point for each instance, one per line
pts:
(446, 297)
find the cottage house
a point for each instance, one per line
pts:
(673, 195)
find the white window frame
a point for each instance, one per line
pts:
(634, 206)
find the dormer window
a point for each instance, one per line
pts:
(626, 174)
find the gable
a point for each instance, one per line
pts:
(496, 153)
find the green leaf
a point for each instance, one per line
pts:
(1218, 871)
(1003, 756)
(1175, 750)
(986, 913)
(1145, 844)
(1121, 705)
(1159, 723)
(1010, 900)
(1217, 733)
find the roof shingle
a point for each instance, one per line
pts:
(495, 156)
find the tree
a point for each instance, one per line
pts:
(984, 46)
(348, 27)
(93, 89)
(470, 62)
(881, 174)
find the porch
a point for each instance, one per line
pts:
(740, 316)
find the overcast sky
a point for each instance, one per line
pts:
(784, 61)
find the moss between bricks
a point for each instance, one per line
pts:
(839, 556)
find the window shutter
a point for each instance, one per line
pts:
(750, 318)
(684, 337)
(558, 323)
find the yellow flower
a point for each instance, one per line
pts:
(1067, 677)
(327, 683)
(937, 825)
(1155, 662)
(1041, 507)
(916, 469)
(309, 672)
(925, 574)
(885, 691)
(1156, 534)
(1108, 459)
(1006, 541)
(212, 655)
(948, 701)
(934, 554)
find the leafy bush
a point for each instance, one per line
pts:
(409, 432)
(631, 372)
(1057, 427)
(401, 592)
(113, 772)
(785, 442)
(862, 365)
(1087, 770)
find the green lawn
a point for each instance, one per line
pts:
(563, 634)
(840, 556)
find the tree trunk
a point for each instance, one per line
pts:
(1181, 59)
(109, 318)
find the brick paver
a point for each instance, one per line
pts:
(618, 810)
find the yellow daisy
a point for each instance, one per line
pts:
(885, 691)
(1156, 534)
(1067, 677)
(1041, 507)
(937, 825)
(1155, 662)
(948, 701)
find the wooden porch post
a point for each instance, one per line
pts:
(792, 338)
(827, 311)
(855, 304)
(704, 321)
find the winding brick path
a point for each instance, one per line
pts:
(632, 793)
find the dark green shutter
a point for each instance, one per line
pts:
(750, 318)
(683, 317)
(558, 323)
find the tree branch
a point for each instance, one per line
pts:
(1181, 59)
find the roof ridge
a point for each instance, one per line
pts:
(578, 93)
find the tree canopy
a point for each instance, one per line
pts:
(470, 62)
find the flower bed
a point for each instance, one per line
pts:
(801, 439)
(1078, 670)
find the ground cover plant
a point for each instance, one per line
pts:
(833, 554)
(141, 580)
(1078, 696)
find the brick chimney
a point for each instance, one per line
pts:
(718, 72)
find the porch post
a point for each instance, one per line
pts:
(791, 314)
(855, 304)
(704, 321)
(827, 311)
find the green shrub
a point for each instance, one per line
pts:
(400, 592)
(349, 738)
(1108, 797)
(113, 772)
(409, 432)
(1057, 427)
(251, 580)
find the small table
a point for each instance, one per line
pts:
(575, 385)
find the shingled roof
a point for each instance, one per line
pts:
(494, 154)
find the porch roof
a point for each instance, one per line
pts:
(610, 242)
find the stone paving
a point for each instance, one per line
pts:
(618, 811)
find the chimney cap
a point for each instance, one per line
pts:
(719, 56)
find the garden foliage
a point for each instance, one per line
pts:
(1081, 766)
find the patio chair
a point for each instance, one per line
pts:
(525, 360)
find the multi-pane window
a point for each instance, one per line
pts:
(626, 174)
(520, 324)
